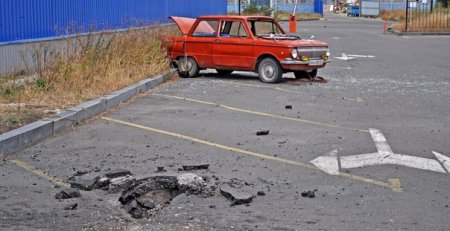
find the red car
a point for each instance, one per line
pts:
(244, 43)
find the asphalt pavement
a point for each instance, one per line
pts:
(383, 94)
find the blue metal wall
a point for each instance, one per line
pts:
(34, 19)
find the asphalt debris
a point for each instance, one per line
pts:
(81, 172)
(260, 193)
(118, 184)
(117, 173)
(309, 194)
(86, 185)
(262, 132)
(67, 193)
(146, 203)
(289, 107)
(237, 197)
(72, 206)
(191, 167)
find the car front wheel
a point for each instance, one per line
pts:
(188, 67)
(305, 74)
(269, 71)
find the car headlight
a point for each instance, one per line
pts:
(328, 53)
(294, 53)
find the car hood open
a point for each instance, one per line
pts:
(183, 23)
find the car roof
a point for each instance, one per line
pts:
(234, 17)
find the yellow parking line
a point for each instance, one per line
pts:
(38, 172)
(263, 113)
(396, 185)
(251, 153)
(258, 86)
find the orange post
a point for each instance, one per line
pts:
(385, 26)
(292, 24)
(293, 20)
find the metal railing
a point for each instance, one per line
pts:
(427, 16)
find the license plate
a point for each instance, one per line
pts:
(316, 62)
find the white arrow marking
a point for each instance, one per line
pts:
(385, 155)
(445, 161)
(361, 56)
(344, 57)
(328, 163)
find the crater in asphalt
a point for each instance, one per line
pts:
(143, 198)
(150, 195)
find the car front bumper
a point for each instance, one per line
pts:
(299, 65)
(298, 62)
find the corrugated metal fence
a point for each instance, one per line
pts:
(23, 22)
(305, 6)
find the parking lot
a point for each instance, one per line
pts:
(396, 85)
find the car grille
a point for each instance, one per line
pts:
(312, 52)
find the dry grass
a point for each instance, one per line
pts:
(86, 67)
(393, 15)
(299, 16)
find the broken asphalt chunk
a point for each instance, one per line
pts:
(134, 209)
(260, 193)
(71, 206)
(121, 183)
(309, 194)
(235, 196)
(262, 132)
(146, 203)
(68, 193)
(102, 183)
(190, 183)
(288, 107)
(80, 172)
(117, 173)
(191, 167)
(86, 185)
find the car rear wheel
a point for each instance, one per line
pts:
(188, 67)
(305, 74)
(269, 71)
(224, 72)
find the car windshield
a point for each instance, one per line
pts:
(261, 28)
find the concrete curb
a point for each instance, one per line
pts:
(31, 134)
(399, 33)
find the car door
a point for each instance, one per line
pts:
(200, 42)
(233, 48)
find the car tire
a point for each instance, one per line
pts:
(224, 72)
(269, 71)
(188, 67)
(305, 74)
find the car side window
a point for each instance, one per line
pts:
(233, 29)
(206, 28)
